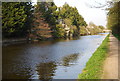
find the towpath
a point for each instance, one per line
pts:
(110, 68)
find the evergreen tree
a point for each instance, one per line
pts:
(16, 18)
(48, 10)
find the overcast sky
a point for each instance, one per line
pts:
(95, 15)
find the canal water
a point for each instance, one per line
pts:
(58, 59)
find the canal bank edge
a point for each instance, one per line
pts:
(94, 67)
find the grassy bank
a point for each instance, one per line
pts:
(93, 69)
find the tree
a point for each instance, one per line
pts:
(41, 28)
(113, 13)
(48, 10)
(101, 27)
(16, 18)
(113, 18)
(68, 12)
(59, 31)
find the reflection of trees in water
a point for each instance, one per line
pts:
(46, 70)
(24, 73)
(70, 59)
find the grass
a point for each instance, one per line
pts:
(93, 69)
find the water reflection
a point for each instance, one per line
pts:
(70, 59)
(18, 74)
(46, 71)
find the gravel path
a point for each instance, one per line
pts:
(110, 68)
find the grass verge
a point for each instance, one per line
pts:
(93, 69)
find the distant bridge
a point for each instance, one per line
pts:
(106, 31)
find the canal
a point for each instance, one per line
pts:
(58, 59)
